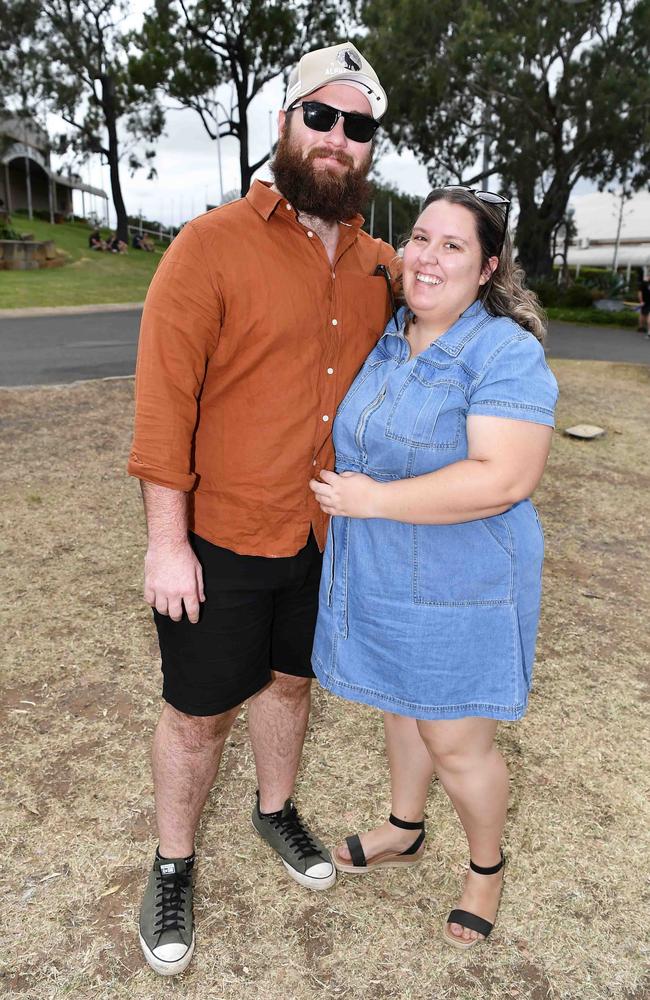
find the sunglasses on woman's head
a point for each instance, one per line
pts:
(488, 197)
(323, 118)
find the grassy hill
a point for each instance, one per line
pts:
(88, 277)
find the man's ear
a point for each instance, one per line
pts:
(282, 117)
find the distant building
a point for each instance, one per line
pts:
(27, 182)
(610, 232)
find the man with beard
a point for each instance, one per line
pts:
(259, 316)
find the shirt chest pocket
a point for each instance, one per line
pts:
(427, 412)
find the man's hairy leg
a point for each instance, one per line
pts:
(277, 723)
(186, 754)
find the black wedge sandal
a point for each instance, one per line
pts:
(386, 859)
(470, 920)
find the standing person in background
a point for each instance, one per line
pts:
(431, 585)
(256, 322)
(644, 299)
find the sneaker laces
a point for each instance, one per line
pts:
(170, 902)
(290, 825)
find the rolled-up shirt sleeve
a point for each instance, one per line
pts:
(516, 383)
(180, 330)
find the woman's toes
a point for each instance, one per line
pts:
(343, 852)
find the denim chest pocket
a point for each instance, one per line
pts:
(427, 413)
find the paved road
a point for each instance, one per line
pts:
(46, 350)
(597, 343)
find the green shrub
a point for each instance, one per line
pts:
(593, 317)
(576, 296)
(7, 233)
(546, 290)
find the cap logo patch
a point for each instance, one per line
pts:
(349, 59)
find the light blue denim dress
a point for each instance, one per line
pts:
(434, 621)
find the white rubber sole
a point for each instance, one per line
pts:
(309, 882)
(304, 880)
(167, 968)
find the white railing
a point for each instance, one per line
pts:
(160, 234)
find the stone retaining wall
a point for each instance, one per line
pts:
(27, 255)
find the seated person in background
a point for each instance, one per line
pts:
(117, 245)
(95, 242)
(147, 243)
(137, 241)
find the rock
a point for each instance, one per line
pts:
(610, 305)
(587, 432)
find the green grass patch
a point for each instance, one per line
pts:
(87, 278)
(594, 317)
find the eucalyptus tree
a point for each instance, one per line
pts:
(547, 93)
(74, 54)
(190, 49)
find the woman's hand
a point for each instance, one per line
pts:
(350, 494)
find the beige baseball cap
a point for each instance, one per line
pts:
(336, 64)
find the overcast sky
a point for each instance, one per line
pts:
(187, 164)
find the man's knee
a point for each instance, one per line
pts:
(198, 732)
(290, 686)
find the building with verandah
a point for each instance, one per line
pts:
(27, 181)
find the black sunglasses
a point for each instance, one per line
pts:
(323, 118)
(489, 197)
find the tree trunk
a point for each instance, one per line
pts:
(244, 163)
(533, 241)
(537, 223)
(108, 105)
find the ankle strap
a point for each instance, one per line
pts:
(488, 871)
(404, 825)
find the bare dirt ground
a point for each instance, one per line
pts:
(81, 694)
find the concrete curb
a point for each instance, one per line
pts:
(104, 307)
(66, 385)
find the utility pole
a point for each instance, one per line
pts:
(486, 148)
(623, 196)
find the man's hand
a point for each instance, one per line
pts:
(172, 578)
(350, 494)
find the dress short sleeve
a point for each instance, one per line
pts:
(516, 383)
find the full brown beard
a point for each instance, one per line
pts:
(322, 193)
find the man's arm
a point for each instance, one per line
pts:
(173, 577)
(180, 331)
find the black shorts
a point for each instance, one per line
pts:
(645, 309)
(259, 615)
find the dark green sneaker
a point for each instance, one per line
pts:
(166, 921)
(302, 854)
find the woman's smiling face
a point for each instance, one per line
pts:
(442, 270)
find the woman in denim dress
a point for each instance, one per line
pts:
(431, 584)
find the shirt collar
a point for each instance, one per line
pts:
(456, 337)
(265, 201)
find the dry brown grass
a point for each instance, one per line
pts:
(81, 697)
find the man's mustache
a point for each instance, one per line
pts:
(334, 154)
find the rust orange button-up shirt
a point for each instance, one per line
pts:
(250, 338)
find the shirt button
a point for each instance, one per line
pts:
(335, 322)
(325, 417)
(288, 207)
(314, 462)
(330, 371)
(309, 233)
